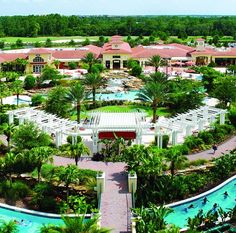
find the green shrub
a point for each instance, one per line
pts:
(69, 139)
(207, 137)
(232, 116)
(193, 142)
(198, 162)
(48, 204)
(30, 82)
(37, 100)
(15, 191)
(165, 141)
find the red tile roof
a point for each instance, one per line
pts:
(40, 51)
(77, 53)
(7, 57)
(164, 51)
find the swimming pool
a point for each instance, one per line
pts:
(122, 95)
(32, 222)
(23, 99)
(179, 216)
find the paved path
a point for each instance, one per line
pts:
(222, 149)
(115, 201)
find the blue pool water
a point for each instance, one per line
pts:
(129, 96)
(179, 216)
(31, 223)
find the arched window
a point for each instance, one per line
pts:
(38, 58)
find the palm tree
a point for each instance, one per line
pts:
(176, 158)
(21, 64)
(76, 94)
(158, 77)
(8, 227)
(77, 150)
(156, 61)
(94, 81)
(8, 163)
(153, 92)
(4, 91)
(90, 60)
(77, 224)
(17, 87)
(68, 175)
(56, 63)
(8, 130)
(41, 155)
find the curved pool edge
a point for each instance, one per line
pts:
(202, 194)
(39, 213)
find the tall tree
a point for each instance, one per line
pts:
(175, 157)
(17, 87)
(77, 150)
(76, 94)
(94, 81)
(156, 61)
(41, 155)
(153, 92)
(90, 60)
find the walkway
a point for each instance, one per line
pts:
(222, 149)
(116, 201)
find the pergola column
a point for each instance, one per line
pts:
(10, 118)
(188, 130)
(95, 142)
(174, 137)
(205, 113)
(222, 117)
(58, 139)
(200, 125)
(21, 120)
(74, 138)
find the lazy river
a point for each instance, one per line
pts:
(216, 195)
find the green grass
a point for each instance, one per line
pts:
(43, 39)
(125, 108)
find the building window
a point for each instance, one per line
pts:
(38, 58)
(116, 56)
(37, 68)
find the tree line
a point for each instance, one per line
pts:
(59, 25)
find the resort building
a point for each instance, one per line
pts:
(116, 53)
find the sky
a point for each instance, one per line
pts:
(118, 7)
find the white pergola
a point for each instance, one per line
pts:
(182, 124)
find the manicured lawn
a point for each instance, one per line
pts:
(126, 108)
(41, 39)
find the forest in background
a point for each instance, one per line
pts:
(159, 26)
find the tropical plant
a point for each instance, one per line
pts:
(17, 88)
(56, 103)
(56, 63)
(68, 175)
(90, 60)
(30, 82)
(28, 136)
(76, 94)
(41, 155)
(77, 224)
(94, 81)
(7, 130)
(78, 149)
(153, 92)
(156, 61)
(4, 91)
(175, 157)
(151, 219)
(8, 227)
